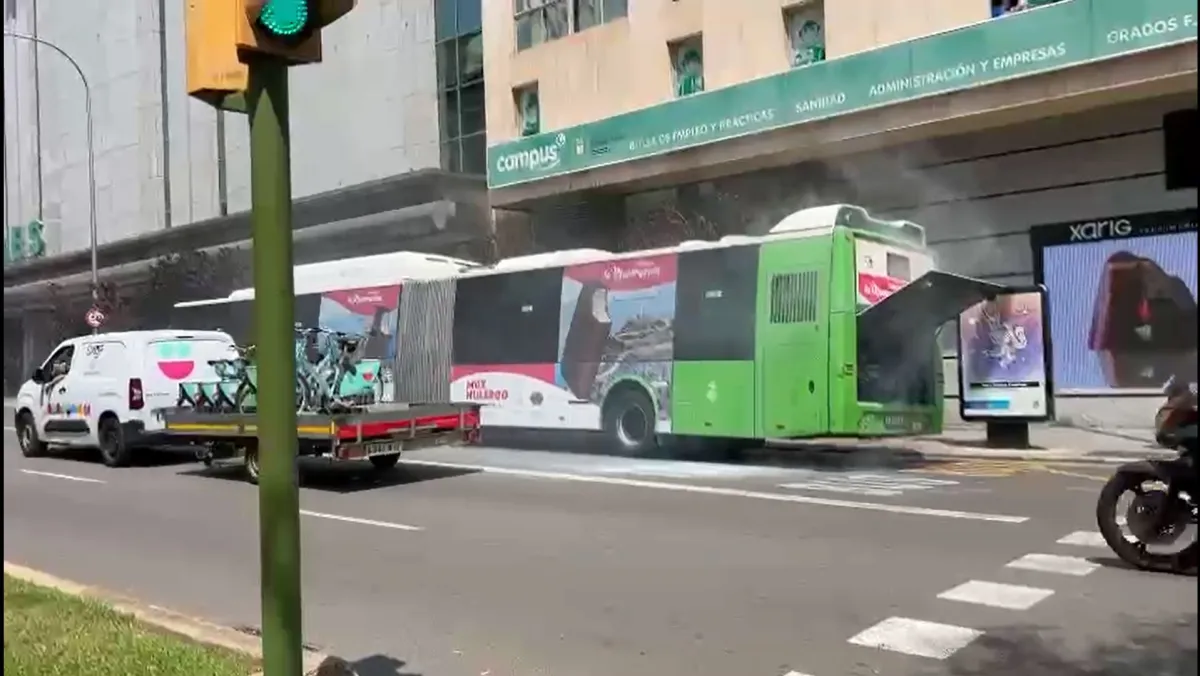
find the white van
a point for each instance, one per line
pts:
(105, 391)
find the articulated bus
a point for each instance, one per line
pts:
(825, 326)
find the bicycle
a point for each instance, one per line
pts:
(235, 372)
(195, 396)
(323, 359)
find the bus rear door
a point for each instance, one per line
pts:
(793, 337)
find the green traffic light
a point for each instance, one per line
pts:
(285, 18)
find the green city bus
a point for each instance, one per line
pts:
(825, 326)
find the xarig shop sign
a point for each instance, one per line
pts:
(1089, 231)
(1122, 300)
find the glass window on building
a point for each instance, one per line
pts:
(529, 109)
(540, 21)
(590, 13)
(687, 62)
(805, 27)
(1003, 7)
(460, 81)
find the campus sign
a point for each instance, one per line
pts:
(1065, 34)
(24, 242)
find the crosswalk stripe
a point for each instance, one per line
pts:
(1052, 563)
(997, 595)
(916, 637)
(1083, 538)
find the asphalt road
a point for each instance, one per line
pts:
(575, 565)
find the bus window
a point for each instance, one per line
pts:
(899, 267)
(235, 318)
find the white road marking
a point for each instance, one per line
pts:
(795, 673)
(729, 492)
(361, 522)
(1084, 538)
(1052, 563)
(9, 429)
(68, 477)
(838, 488)
(917, 637)
(675, 469)
(875, 485)
(996, 595)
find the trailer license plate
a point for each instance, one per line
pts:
(375, 448)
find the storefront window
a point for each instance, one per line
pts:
(1123, 290)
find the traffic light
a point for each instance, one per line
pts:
(223, 34)
(213, 68)
(288, 29)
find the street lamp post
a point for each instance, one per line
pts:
(91, 150)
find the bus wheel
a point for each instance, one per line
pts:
(629, 421)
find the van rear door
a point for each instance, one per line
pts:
(173, 359)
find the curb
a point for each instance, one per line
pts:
(912, 453)
(191, 628)
(1058, 459)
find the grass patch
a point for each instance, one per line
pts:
(49, 633)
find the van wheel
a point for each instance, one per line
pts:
(250, 461)
(31, 446)
(629, 421)
(113, 449)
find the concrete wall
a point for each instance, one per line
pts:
(368, 112)
(587, 76)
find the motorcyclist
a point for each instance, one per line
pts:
(1177, 413)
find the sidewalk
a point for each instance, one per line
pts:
(1049, 443)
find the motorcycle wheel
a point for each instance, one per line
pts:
(1134, 552)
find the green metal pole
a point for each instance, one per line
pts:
(278, 494)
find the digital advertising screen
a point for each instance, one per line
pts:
(1123, 291)
(1003, 363)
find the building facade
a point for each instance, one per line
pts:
(388, 153)
(368, 112)
(1027, 137)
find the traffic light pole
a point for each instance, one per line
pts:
(278, 493)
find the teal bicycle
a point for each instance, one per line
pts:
(237, 391)
(234, 391)
(323, 360)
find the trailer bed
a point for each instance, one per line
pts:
(411, 422)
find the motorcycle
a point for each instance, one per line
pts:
(1165, 494)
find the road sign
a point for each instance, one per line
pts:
(94, 318)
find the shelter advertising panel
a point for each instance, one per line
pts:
(1004, 358)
